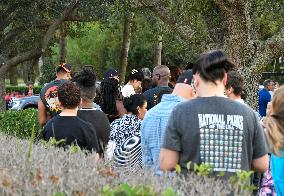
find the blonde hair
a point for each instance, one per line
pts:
(275, 122)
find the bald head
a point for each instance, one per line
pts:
(161, 75)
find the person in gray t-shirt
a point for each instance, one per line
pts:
(214, 129)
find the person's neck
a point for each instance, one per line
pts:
(61, 77)
(210, 89)
(87, 105)
(161, 84)
(234, 97)
(69, 112)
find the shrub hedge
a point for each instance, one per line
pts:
(22, 89)
(19, 123)
(53, 171)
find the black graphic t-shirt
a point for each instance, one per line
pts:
(49, 96)
(215, 130)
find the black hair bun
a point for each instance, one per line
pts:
(86, 77)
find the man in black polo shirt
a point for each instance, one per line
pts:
(161, 77)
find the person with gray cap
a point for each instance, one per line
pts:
(161, 77)
(155, 120)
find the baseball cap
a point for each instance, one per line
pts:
(109, 73)
(66, 67)
(185, 77)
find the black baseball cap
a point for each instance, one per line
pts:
(185, 77)
(109, 73)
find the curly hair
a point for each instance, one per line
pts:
(69, 95)
(131, 103)
(275, 122)
(86, 80)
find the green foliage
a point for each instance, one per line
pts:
(22, 89)
(20, 123)
(241, 182)
(203, 169)
(52, 142)
(47, 71)
(141, 190)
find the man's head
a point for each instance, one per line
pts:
(111, 73)
(268, 84)
(63, 71)
(183, 86)
(211, 69)
(69, 95)
(235, 85)
(161, 75)
(86, 80)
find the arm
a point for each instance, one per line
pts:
(42, 117)
(261, 164)
(260, 159)
(168, 159)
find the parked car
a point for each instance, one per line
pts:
(23, 103)
(32, 101)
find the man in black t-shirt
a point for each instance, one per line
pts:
(67, 125)
(213, 129)
(48, 101)
(86, 80)
(161, 77)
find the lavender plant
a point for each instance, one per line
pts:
(53, 171)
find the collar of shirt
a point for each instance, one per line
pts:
(172, 97)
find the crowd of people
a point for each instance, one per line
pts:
(170, 116)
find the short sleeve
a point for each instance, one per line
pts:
(172, 139)
(259, 142)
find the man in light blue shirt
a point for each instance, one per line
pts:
(155, 120)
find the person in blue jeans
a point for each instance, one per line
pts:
(264, 97)
(275, 133)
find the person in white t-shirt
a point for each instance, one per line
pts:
(134, 84)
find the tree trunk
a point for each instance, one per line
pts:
(158, 51)
(13, 76)
(125, 45)
(239, 48)
(2, 94)
(63, 45)
(31, 71)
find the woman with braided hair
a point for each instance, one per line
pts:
(111, 99)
